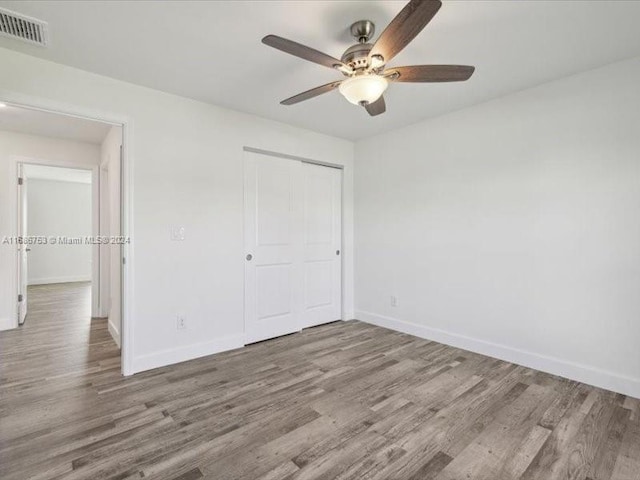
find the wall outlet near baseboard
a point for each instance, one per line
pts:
(394, 301)
(181, 322)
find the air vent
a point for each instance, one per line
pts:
(21, 27)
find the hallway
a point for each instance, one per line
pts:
(45, 367)
(58, 338)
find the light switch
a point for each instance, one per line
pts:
(177, 234)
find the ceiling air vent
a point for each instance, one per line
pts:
(21, 27)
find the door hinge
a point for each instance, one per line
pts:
(124, 260)
(19, 297)
(20, 180)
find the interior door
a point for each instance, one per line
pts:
(322, 236)
(273, 246)
(23, 249)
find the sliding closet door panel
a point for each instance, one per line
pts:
(273, 270)
(322, 244)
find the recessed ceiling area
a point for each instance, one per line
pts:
(211, 51)
(54, 125)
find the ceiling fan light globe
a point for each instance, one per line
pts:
(363, 89)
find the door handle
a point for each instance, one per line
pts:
(337, 252)
(249, 257)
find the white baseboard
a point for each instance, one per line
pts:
(563, 368)
(186, 352)
(7, 323)
(68, 279)
(114, 332)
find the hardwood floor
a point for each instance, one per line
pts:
(342, 401)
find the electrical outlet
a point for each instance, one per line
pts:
(181, 323)
(394, 301)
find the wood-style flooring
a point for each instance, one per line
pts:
(342, 401)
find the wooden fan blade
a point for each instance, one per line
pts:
(306, 53)
(377, 107)
(404, 28)
(430, 73)
(314, 92)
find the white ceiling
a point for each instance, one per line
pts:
(35, 122)
(42, 172)
(211, 51)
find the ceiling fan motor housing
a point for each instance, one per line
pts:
(357, 56)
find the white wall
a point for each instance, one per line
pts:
(512, 228)
(14, 147)
(110, 226)
(187, 171)
(56, 208)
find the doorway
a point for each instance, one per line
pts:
(57, 223)
(293, 241)
(67, 222)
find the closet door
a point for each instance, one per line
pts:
(273, 246)
(322, 235)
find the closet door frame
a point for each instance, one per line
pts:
(342, 230)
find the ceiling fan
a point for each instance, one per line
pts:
(364, 64)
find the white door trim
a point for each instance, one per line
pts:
(292, 157)
(16, 161)
(51, 106)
